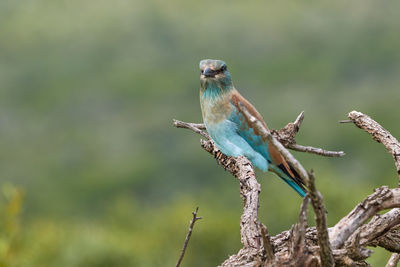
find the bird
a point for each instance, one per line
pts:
(229, 129)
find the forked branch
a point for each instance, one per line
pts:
(347, 240)
(188, 235)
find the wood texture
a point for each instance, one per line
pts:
(345, 244)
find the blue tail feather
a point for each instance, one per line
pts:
(287, 179)
(295, 186)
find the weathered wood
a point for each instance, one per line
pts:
(394, 259)
(379, 134)
(345, 245)
(188, 235)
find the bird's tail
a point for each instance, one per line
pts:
(294, 181)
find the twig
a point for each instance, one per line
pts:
(287, 135)
(267, 244)
(379, 134)
(299, 121)
(315, 150)
(322, 228)
(189, 234)
(394, 259)
(195, 127)
(299, 230)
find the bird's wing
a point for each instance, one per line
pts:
(259, 144)
(252, 136)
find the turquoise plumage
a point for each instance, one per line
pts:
(228, 127)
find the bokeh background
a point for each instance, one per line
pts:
(92, 173)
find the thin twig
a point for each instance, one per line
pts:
(300, 227)
(195, 127)
(189, 234)
(315, 150)
(346, 121)
(269, 249)
(322, 227)
(394, 259)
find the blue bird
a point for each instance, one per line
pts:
(230, 130)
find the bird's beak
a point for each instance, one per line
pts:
(208, 72)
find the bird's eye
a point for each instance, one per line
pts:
(223, 68)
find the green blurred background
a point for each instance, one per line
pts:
(92, 172)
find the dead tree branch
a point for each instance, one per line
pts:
(269, 249)
(343, 244)
(189, 234)
(195, 127)
(379, 134)
(298, 249)
(383, 198)
(250, 227)
(390, 241)
(379, 225)
(316, 197)
(394, 259)
(286, 136)
(322, 226)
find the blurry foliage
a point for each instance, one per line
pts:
(11, 199)
(88, 90)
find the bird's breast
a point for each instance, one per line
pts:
(216, 110)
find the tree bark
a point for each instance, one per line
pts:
(342, 245)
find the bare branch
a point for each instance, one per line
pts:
(269, 249)
(346, 121)
(315, 150)
(316, 197)
(389, 241)
(285, 135)
(299, 230)
(383, 198)
(379, 225)
(322, 228)
(394, 259)
(195, 127)
(250, 227)
(379, 134)
(302, 246)
(189, 234)
(299, 121)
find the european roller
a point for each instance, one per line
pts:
(229, 129)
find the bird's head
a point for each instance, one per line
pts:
(214, 73)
